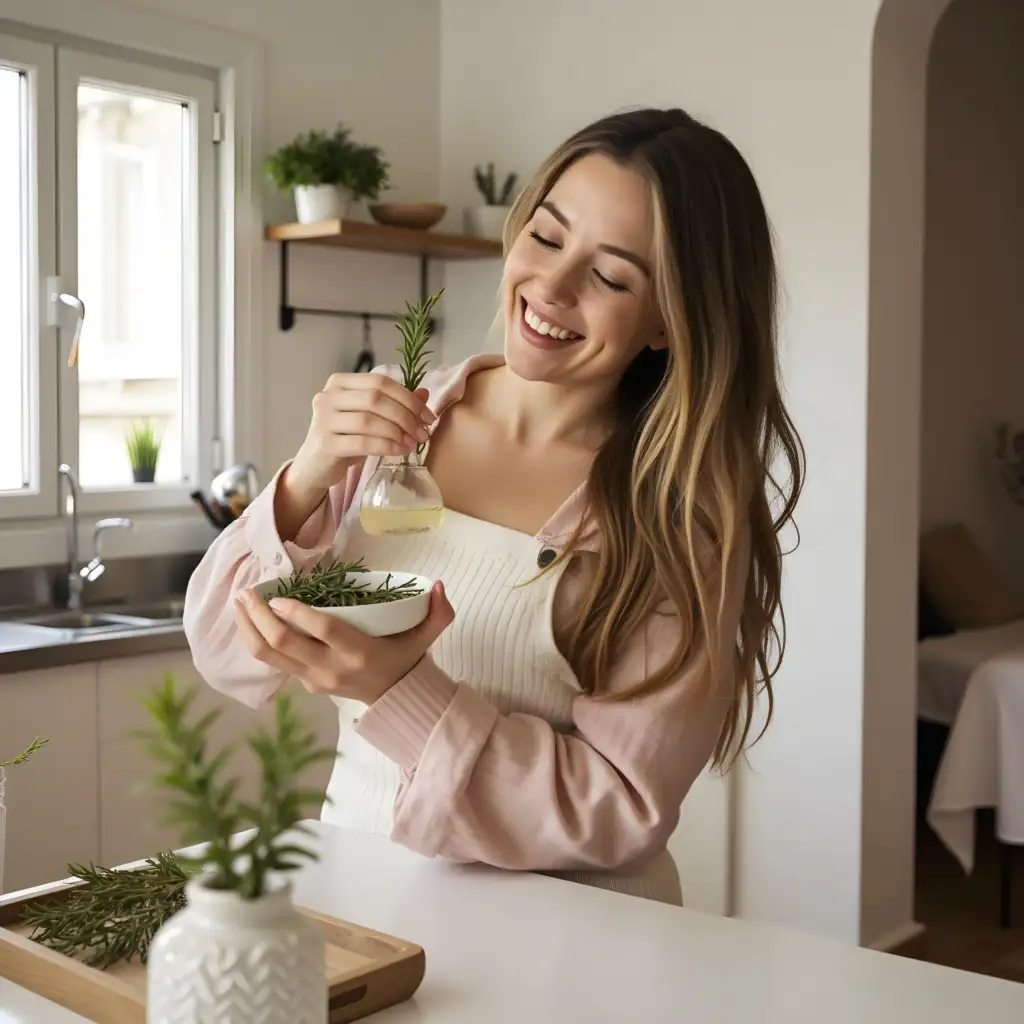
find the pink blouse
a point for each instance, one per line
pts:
(479, 786)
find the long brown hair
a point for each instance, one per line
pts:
(701, 424)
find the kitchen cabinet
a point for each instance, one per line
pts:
(129, 809)
(52, 799)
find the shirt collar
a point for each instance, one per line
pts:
(450, 388)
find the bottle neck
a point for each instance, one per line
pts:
(414, 460)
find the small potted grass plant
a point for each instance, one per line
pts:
(143, 452)
(488, 221)
(327, 172)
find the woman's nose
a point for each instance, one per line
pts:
(558, 284)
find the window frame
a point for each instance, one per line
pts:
(200, 361)
(36, 61)
(239, 63)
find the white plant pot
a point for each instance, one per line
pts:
(226, 960)
(486, 221)
(321, 202)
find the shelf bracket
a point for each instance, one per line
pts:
(286, 312)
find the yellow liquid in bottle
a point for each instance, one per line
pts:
(380, 522)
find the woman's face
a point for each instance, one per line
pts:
(577, 291)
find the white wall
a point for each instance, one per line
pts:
(974, 271)
(820, 842)
(373, 66)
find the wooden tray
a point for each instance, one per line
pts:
(366, 971)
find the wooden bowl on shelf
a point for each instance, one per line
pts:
(418, 216)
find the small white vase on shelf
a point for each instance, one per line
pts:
(486, 221)
(228, 960)
(321, 202)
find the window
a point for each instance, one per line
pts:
(125, 221)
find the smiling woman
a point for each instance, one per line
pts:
(609, 564)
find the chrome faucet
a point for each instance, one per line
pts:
(78, 576)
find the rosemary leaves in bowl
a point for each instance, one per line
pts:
(375, 603)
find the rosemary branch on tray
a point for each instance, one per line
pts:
(112, 916)
(337, 586)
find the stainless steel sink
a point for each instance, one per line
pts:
(86, 621)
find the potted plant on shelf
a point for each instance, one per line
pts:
(143, 452)
(4, 765)
(327, 172)
(488, 221)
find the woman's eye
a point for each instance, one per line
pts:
(540, 240)
(614, 286)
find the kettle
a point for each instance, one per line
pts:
(231, 493)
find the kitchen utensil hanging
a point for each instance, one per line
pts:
(366, 360)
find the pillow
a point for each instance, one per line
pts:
(964, 587)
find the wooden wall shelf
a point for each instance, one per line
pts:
(355, 234)
(368, 237)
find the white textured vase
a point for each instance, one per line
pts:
(320, 202)
(225, 960)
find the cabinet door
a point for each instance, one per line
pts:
(130, 810)
(52, 798)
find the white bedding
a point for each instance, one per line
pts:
(945, 665)
(981, 678)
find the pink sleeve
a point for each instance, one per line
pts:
(509, 791)
(247, 553)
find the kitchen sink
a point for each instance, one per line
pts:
(82, 621)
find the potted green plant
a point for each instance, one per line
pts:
(327, 172)
(217, 930)
(143, 449)
(488, 221)
(4, 765)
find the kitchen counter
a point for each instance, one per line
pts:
(519, 947)
(23, 649)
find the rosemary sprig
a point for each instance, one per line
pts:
(205, 805)
(337, 586)
(112, 916)
(26, 753)
(416, 328)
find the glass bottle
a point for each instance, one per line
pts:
(401, 497)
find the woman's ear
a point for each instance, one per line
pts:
(660, 341)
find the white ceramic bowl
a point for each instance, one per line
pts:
(375, 619)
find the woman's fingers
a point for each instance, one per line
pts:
(302, 652)
(370, 424)
(258, 645)
(370, 383)
(375, 405)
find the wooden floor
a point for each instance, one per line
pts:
(961, 912)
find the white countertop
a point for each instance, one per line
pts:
(503, 947)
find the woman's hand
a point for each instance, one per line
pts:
(327, 655)
(355, 416)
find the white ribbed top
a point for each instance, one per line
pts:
(501, 643)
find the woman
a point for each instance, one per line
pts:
(614, 462)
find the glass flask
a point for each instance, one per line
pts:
(401, 497)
